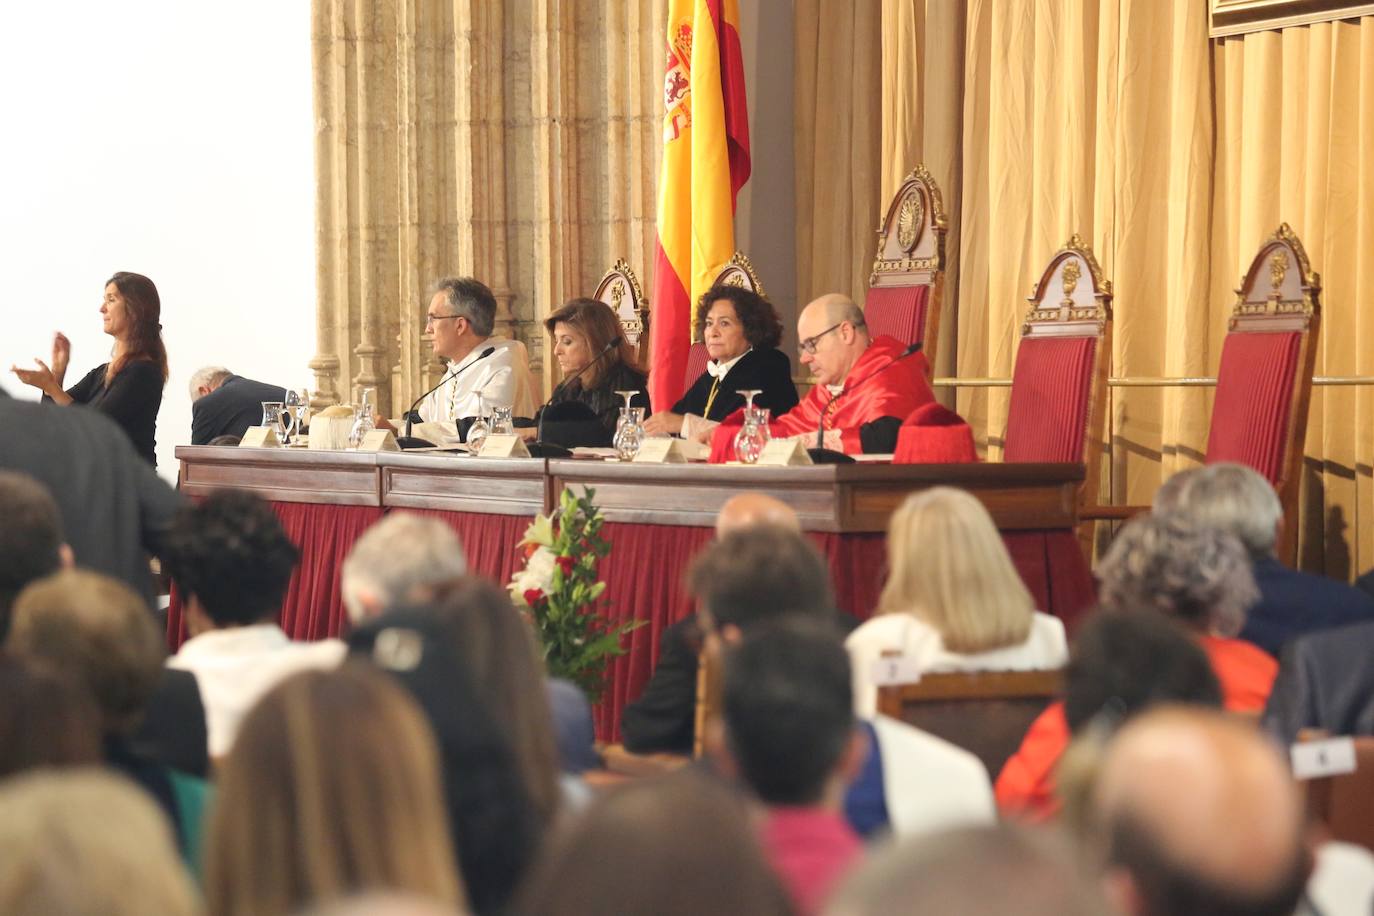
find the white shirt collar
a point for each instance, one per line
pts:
(720, 370)
(471, 357)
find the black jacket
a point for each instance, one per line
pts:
(576, 416)
(231, 408)
(1326, 681)
(767, 371)
(132, 400)
(1294, 603)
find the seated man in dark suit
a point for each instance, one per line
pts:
(1237, 500)
(225, 404)
(1325, 681)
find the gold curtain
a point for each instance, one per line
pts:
(838, 90)
(1174, 156)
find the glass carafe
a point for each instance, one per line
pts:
(362, 419)
(502, 423)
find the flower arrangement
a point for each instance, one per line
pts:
(559, 589)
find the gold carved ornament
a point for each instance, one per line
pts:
(909, 220)
(1278, 269)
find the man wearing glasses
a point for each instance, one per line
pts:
(858, 402)
(460, 319)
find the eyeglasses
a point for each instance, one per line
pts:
(430, 319)
(809, 345)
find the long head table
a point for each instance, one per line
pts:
(658, 516)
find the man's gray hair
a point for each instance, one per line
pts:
(472, 299)
(210, 376)
(399, 555)
(1172, 564)
(1236, 499)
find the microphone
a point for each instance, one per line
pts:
(547, 450)
(408, 441)
(828, 456)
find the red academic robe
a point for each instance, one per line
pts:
(870, 392)
(1025, 787)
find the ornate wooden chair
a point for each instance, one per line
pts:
(907, 284)
(620, 289)
(985, 712)
(1264, 382)
(1059, 384)
(737, 272)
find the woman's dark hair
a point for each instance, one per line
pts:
(762, 327)
(595, 321)
(494, 825)
(231, 553)
(144, 308)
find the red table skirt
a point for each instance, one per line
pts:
(644, 578)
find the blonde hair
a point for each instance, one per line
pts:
(947, 566)
(332, 788)
(85, 841)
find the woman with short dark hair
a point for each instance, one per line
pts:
(128, 388)
(741, 331)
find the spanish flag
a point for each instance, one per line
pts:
(705, 163)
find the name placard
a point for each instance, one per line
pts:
(1329, 757)
(379, 440)
(660, 450)
(892, 670)
(505, 445)
(782, 453)
(260, 437)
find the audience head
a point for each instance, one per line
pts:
(758, 574)
(751, 508)
(99, 632)
(832, 335)
(462, 314)
(207, 379)
(581, 329)
(82, 841)
(1169, 496)
(1198, 815)
(734, 319)
(679, 846)
(400, 558)
(1236, 499)
(46, 720)
(133, 315)
(231, 560)
(948, 566)
(1197, 575)
(332, 788)
(788, 709)
(493, 821)
(498, 650)
(30, 538)
(972, 871)
(381, 903)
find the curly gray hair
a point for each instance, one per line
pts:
(1195, 574)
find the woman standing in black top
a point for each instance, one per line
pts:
(742, 331)
(128, 388)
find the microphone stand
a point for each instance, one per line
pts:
(409, 441)
(822, 455)
(541, 449)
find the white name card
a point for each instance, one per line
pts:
(781, 453)
(505, 445)
(895, 669)
(1328, 757)
(660, 450)
(379, 440)
(260, 437)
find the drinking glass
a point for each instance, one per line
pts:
(502, 423)
(629, 434)
(749, 441)
(478, 431)
(290, 416)
(271, 413)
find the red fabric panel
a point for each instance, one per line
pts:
(697, 358)
(176, 622)
(313, 607)
(490, 542)
(898, 311)
(1254, 397)
(1056, 573)
(1048, 415)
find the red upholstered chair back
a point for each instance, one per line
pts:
(907, 284)
(1264, 381)
(1059, 383)
(620, 289)
(738, 272)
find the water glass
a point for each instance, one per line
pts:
(629, 433)
(502, 422)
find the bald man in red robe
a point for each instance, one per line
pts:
(863, 391)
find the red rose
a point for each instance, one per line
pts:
(532, 595)
(566, 564)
